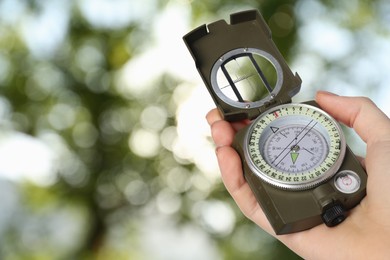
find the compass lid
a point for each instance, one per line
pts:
(241, 66)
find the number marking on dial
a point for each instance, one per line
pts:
(297, 147)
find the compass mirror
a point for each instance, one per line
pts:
(245, 76)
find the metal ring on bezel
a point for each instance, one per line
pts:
(305, 184)
(343, 188)
(259, 103)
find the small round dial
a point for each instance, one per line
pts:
(295, 146)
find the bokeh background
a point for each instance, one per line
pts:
(104, 149)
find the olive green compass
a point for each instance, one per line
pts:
(294, 155)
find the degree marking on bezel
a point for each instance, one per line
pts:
(298, 185)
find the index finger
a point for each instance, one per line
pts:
(213, 116)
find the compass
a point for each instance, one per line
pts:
(294, 155)
(294, 146)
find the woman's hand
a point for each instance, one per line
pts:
(365, 233)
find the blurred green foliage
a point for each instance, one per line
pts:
(104, 193)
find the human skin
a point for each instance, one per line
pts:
(365, 233)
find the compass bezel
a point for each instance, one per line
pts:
(272, 177)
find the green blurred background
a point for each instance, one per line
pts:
(104, 149)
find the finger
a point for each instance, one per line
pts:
(222, 133)
(214, 115)
(362, 114)
(234, 181)
(231, 171)
(373, 126)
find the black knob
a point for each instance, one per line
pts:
(334, 215)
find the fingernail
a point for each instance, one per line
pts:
(323, 92)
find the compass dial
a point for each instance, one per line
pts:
(295, 157)
(295, 146)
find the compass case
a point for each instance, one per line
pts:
(211, 44)
(290, 211)
(214, 48)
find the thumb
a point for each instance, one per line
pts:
(373, 126)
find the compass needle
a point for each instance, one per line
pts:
(294, 157)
